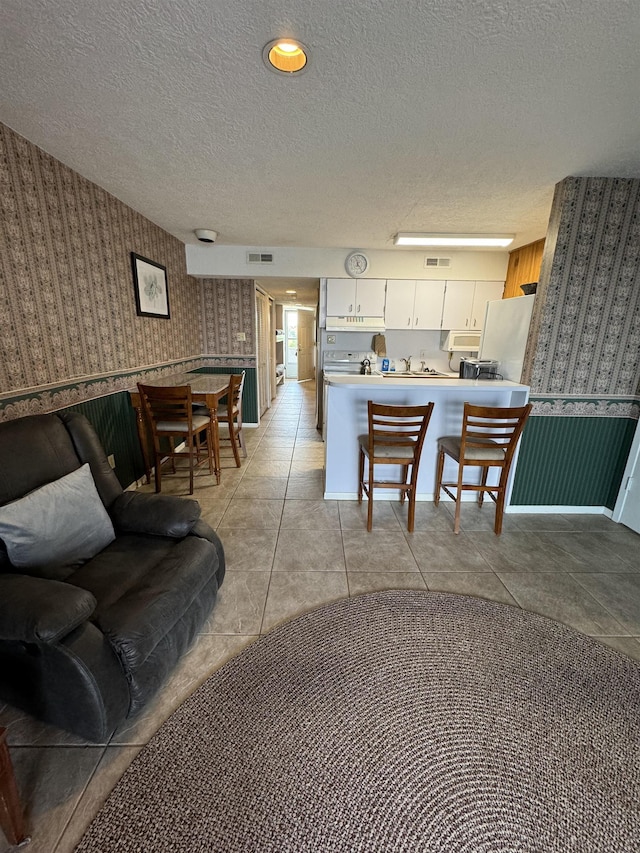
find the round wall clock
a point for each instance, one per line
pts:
(356, 263)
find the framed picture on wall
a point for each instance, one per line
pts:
(150, 286)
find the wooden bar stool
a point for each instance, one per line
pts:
(396, 435)
(489, 439)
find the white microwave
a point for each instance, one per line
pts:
(462, 342)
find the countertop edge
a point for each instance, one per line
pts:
(357, 381)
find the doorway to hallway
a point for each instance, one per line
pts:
(299, 326)
(291, 343)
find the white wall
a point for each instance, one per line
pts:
(231, 261)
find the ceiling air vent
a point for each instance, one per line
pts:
(437, 262)
(259, 258)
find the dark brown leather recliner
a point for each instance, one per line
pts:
(88, 649)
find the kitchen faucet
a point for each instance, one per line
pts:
(407, 364)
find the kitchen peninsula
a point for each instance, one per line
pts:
(346, 418)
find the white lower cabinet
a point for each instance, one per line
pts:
(414, 304)
(346, 419)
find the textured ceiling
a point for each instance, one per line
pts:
(439, 115)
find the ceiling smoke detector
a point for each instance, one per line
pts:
(205, 235)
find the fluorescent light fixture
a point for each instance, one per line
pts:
(499, 241)
(286, 56)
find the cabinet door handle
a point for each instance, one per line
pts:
(351, 308)
(466, 322)
(358, 309)
(416, 322)
(408, 321)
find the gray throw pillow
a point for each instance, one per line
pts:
(61, 524)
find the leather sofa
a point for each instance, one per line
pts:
(84, 645)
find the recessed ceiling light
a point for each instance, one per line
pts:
(447, 240)
(286, 56)
(291, 292)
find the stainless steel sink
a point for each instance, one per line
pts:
(417, 375)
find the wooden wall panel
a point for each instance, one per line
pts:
(524, 267)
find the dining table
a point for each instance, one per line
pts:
(206, 389)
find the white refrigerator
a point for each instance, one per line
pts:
(505, 333)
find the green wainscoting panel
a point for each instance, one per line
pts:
(249, 392)
(114, 420)
(575, 461)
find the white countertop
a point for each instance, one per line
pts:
(449, 382)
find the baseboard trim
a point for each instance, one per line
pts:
(386, 495)
(559, 510)
(535, 509)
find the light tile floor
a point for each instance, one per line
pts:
(288, 551)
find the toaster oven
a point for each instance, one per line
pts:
(479, 368)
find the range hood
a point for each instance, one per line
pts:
(351, 323)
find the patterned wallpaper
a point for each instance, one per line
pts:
(229, 308)
(584, 351)
(67, 306)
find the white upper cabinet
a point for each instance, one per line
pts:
(458, 303)
(465, 303)
(399, 308)
(427, 308)
(486, 291)
(370, 297)
(414, 304)
(348, 297)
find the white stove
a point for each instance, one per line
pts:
(342, 362)
(345, 361)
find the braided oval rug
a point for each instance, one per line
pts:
(396, 721)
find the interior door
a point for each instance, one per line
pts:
(291, 350)
(272, 350)
(627, 508)
(263, 327)
(306, 345)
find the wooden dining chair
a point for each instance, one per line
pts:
(395, 437)
(231, 413)
(11, 813)
(488, 440)
(169, 414)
